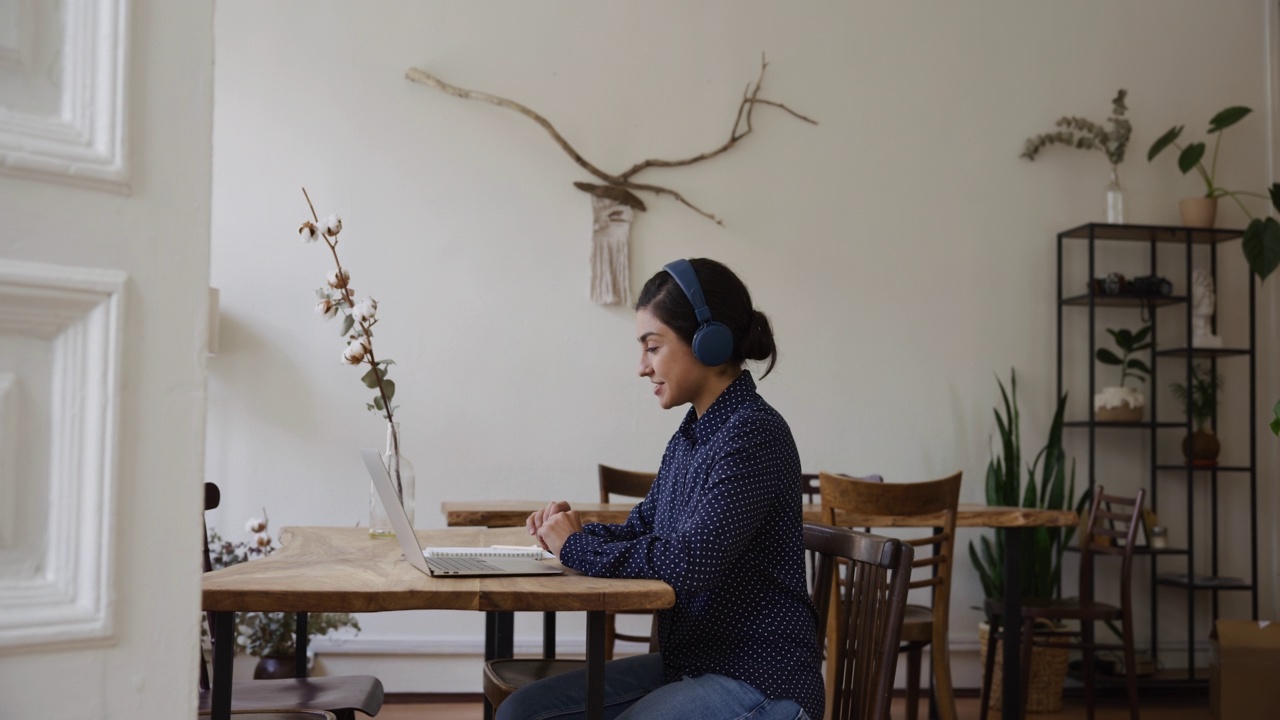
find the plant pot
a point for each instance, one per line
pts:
(275, 667)
(1048, 672)
(1118, 404)
(1201, 447)
(1200, 212)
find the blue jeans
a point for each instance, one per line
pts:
(634, 690)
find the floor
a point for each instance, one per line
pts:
(1173, 708)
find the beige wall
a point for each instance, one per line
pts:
(903, 250)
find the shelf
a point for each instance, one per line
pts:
(1202, 352)
(1152, 233)
(1124, 300)
(1143, 550)
(1166, 681)
(1098, 423)
(1203, 582)
(1207, 468)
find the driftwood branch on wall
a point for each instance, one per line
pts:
(619, 187)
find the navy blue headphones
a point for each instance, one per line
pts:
(713, 342)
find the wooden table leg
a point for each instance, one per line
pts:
(595, 665)
(224, 655)
(1011, 695)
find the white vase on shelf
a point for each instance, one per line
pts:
(1115, 198)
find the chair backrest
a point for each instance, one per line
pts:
(872, 601)
(1112, 519)
(212, 497)
(627, 483)
(812, 489)
(934, 501)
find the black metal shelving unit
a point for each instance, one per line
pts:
(1186, 579)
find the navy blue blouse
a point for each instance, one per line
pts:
(722, 525)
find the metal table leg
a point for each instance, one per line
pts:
(1011, 695)
(224, 655)
(595, 665)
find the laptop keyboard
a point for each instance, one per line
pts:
(455, 565)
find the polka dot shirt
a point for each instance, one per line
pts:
(722, 526)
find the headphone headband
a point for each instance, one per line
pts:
(713, 342)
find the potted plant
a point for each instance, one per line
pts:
(1200, 401)
(269, 636)
(1275, 422)
(1120, 403)
(1048, 486)
(1077, 132)
(1262, 236)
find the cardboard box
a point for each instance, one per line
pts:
(1244, 667)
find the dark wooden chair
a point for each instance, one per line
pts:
(862, 646)
(628, 484)
(339, 695)
(811, 492)
(935, 501)
(278, 714)
(505, 676)
(1108, 532)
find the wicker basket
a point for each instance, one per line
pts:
(1123, 413)
(1048, 672)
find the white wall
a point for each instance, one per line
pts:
(903, 250)
(157, 234)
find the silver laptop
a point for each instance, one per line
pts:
(441, 567)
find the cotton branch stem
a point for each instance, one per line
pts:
(624, 180)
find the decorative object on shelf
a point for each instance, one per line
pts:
(1043, 547)
(358, 320)
(1200, 401)
(268, 636)
(1261, 242)
(1084, 134)
(1120, 403)
(611, 224)
(1202, 305)
(1159, 537)
(1144, 286)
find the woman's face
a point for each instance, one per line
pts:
(668, 361)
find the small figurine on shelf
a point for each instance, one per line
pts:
(1119, 403)
(1202, 303)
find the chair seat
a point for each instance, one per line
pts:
(917, 624)
(346, 692)
(1060, 609)
(278, 715)
(503, 677)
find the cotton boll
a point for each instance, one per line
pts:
(339, 279)
(365, 310)
(354, 353)
(309, 232)
(332, 225)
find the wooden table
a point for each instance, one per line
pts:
(320, 569)
(1013, 522)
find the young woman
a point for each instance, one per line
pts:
(721, 525)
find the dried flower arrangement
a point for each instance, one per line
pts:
(1077, 132)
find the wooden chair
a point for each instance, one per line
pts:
(503, 677)
(278, 714)
(811, 491)
(937, 502)
(339, 695)
(863, 650)
(1104, 534)
(630, 484)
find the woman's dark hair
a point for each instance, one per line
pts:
(729, 302)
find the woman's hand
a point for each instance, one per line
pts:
(557, 528)
(535, 520)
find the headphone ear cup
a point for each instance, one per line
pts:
(713, 344)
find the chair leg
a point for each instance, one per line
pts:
(989, 670)
(1130, 669)
(1024, 657)
(913, 681)
(609, 635)
(1087, 641)
(943, 695)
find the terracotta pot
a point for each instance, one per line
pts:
(273, 667)
(1200, 212)
(1201, 447)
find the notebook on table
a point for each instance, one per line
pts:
(440, 566)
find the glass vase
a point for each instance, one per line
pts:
(1115, 198)
(402, 479)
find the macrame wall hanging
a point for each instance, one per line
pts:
(613, 205)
